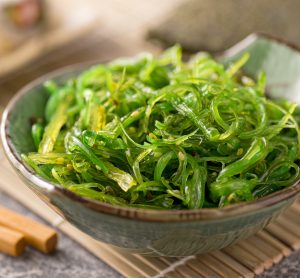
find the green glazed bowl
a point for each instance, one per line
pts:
(150, 232)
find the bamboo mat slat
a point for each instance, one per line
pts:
(266, 259)
(274, 242)
(174, 274)
(184, 271)
(202, 269)
(284, 235)
(259, 246)
(233, 264)
(245, 259)
(219, 268)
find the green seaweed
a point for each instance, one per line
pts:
(160, 133)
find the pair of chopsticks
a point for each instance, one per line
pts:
(18, 231)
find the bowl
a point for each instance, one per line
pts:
(151, 232)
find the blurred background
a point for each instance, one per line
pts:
(38, 36)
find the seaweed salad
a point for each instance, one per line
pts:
(161, 133)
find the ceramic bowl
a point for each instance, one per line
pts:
(150, 232)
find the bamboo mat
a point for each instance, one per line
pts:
(245, 259)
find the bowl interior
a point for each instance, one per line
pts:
(31, 106)
(278, 59)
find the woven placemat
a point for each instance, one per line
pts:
(245, 259)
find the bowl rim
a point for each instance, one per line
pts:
(147, 215)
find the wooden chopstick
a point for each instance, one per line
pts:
(11, 242)
(37, 235)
